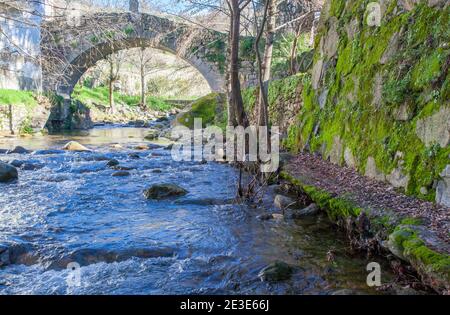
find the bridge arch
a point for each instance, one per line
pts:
(70, 49)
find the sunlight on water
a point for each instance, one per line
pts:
(73, 210)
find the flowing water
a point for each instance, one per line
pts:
(68, 208)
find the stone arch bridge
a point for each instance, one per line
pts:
(71, 46)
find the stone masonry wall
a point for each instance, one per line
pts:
(378, 97)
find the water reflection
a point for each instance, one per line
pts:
(74, 210)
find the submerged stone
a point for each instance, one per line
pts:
(312, 209)
(283, 202)
(265, 216)
(121, 174)
(48, 152)
(277, 271)
(163, 191)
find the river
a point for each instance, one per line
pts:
(68, 208)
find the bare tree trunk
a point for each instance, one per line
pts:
(111, 87)
(293, 59)
(142, 65)
(236, 94)
(231, 111)
(265, 66)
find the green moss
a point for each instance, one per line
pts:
(428, 69)
(421, 256)
(336, 8)
(209, 108)
(14, 97)
(337, 208)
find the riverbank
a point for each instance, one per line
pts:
(378, 219)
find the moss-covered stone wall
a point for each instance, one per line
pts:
(378, 97)
(285, 101)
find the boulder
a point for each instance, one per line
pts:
(152, 135)
(163, 191)
(75, 146)
(112, 162)
(19, 150)
(7, 173)
(121, 174)
(276, 271)
(134, 156)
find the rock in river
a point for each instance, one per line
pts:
(312, 209)
(7, 173)
(112, 162)
(283, 202)
(162, 191)
(19, 150)
(277, 271)
(265, 216)
(75, 146)
(152, 135)
(121, 174)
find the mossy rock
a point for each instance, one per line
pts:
(416, 245)
(211, 109)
